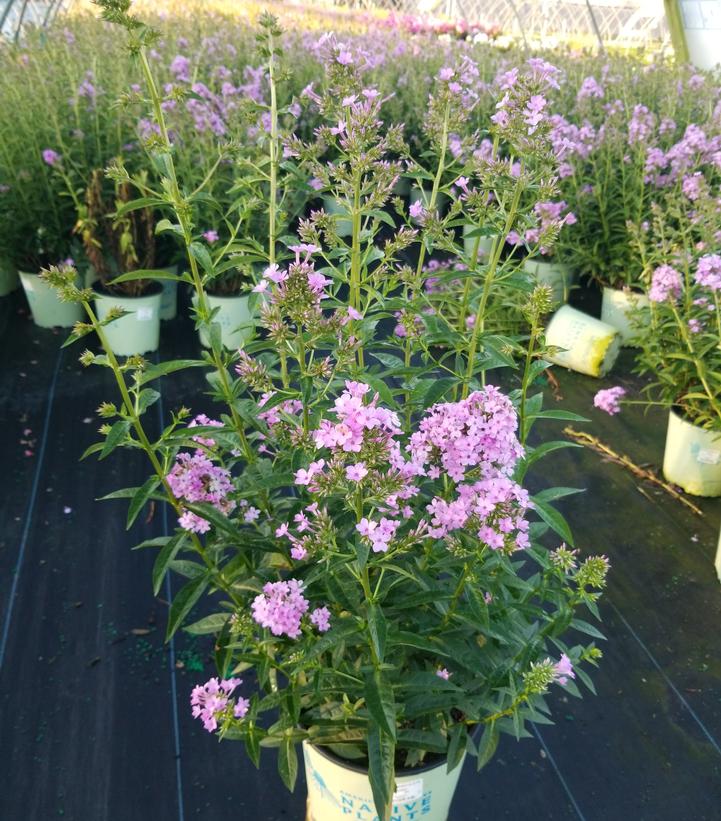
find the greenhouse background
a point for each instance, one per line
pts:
(607, 20)
(360, 410)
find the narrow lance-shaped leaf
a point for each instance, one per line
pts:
(380, 703)
(168, 552)
(381, 755)
(184, 601)
(288, 762)
(141, 497)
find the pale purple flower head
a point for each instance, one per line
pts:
(563, 670)
(609, 400)
(280, 607)
(211, 235)
(354, 473)
(443, 673)
(666, 283)
(417, 210)
(320, 617)
(708, 272)
(211, 700)
(194, 478)
(52, 158)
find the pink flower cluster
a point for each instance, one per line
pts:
(609, 400)
(563, 670)
(666, 283)
(550, 217)
(493, 507)
(202, 420)
(708, 272)
(380, 534)
(299, 289)
(280, 607)
(273, 415)
(356, 421)
(212, 699)
(479, 431)
(194, 478)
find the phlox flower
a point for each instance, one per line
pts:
(609, 400)
(280, 607)
(210, 700)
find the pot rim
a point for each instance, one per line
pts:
(626, 289)
(406, 772)
(155, 289)
(242, 295)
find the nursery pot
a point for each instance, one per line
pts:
(702, 26)
(557, 275)
(485, 246)
(137, 332)
(692, 458)
(617, 309)
(343, 226)
(339, 790)
(47, 309)
(591, 346)
(234, 312)
(8, 278)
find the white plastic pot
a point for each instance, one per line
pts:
(590, 346)
(138, 331)
(234, 317)
(617, 309)
(702, 26)
(8, 278)
(338, 791)
(692, 458)
(47, 309)
(485, 246)
(557, 275)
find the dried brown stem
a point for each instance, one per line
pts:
(594, 443)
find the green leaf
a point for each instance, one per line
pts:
(436, 389)
(216, 518)
(380, 703)
(378, 629)
(141, 497)
(166, 555)
(488, 745)
(210, 624)
(183, 602)
(558, 414)
(540, 451)
(136, 205)
(550, 494)
(200, 253)
(456, 746)
(588, 629)
(115, 436)
(166, 225)
(146, 398)
(554, 520)
(145, 273)
(162, 368)
(288, 762)
(252, 745)
(381, 755)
